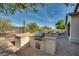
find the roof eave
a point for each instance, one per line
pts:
(76, 7)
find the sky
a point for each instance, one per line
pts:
(47, 16)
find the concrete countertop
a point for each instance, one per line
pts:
(23, 34)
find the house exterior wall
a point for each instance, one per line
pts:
(77, 9)
(69, 19)
(67, 26)
(74, 28)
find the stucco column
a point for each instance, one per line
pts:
(50, 44)
(32, 42)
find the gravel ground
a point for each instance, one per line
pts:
(7, 48)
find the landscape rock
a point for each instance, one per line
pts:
(8, 47)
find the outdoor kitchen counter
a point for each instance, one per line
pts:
(21, 40)
(50, 44)
(46, 44)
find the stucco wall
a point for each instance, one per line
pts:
(22, 41)
(74, 28)
(25, 40)
(42, 46)
(69, 18)
(17, 43)
(68, 22)
(50, 45)
(78, 9)
(32, 42)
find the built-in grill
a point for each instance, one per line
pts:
(39, 36)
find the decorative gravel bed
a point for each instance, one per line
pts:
(6, 47)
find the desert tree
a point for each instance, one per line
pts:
(5, 24)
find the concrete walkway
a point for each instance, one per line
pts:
(66, 48)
